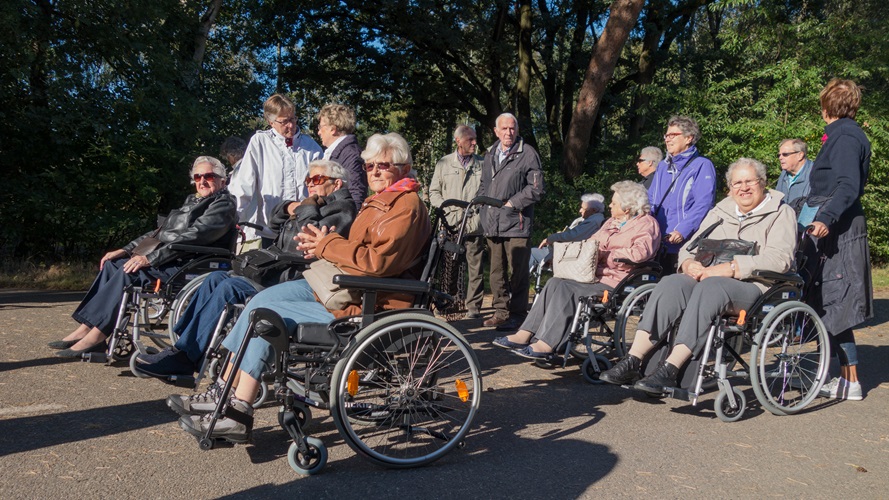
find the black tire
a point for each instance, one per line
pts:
(789, 358)
(415, 389)
(589, 372)
(628, 317)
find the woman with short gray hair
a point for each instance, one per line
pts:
(631, 233)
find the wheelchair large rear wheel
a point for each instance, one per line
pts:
(789, 358)
(628, 317)
(180, 303)
(407, 391)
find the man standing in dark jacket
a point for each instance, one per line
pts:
(512, 173)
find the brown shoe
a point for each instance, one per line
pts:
(495, 321)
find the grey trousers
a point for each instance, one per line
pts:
(552, 314)
(509, 256)
(694, 305)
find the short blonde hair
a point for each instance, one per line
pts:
(340, 116)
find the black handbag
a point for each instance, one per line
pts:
(714, 252)
(262, 266)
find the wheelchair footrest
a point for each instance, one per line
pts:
(677, 393)
(182, 381)
(95, 357)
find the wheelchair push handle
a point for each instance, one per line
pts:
(487, 200)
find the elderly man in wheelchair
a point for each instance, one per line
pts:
(751, 233)
(205, 222)
(329, 205)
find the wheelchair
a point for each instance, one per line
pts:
(143, 312)
(789, 353)
(597, 333)
(402, 386)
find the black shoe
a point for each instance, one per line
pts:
(663, 377)
(511, 325)
(176, 364)
(62, 344)
(73, 353)
(150, 359)
(626, 371)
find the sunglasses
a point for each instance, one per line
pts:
(317, 180)
(385, 165)
(210, 176)
(785, 155)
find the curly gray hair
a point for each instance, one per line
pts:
(633, 197)
(218, 167)
(594, 201)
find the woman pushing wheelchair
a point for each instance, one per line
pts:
(764, 233)
(207, 218)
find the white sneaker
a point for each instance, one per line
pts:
(840, 388)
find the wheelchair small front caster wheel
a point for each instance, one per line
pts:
(205, 444)
(312, 461)
(590, 372)
(723, 408)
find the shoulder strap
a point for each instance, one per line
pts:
(703, 234)
(673, 183)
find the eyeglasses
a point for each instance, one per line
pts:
(671, 135)
(317, 180)
(210, 176)
(384, 165)
(285, 121)
(785, 155)
(740, 184)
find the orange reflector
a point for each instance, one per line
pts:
(605, 297)
(352, 383)
(462, 391)
(742, 317)
(157, 287)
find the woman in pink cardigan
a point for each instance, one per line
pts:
(631, 233)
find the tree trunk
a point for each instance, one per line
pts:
(208, 19)
(622, 18)
(523, 84)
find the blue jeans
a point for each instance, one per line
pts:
(843, 344)
(100, 306)
(195, 326)
(296, 304)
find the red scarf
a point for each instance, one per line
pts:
(408, 184)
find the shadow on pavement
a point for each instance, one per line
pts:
(34, 432)
(20, 297)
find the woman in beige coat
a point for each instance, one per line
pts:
(699, 294)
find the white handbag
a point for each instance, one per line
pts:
(320, 275)
(576, 260)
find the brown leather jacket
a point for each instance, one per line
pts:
(388, 239)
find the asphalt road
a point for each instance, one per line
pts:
(72, 429)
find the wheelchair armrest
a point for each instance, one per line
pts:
(771, 277)
(655, 266)
(414, 287)
(179, 247)
(293, 259)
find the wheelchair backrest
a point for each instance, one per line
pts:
(191, 267)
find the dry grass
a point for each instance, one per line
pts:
(63, 276)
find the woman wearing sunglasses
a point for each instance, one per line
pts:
(329, 204)
(207, 218)
(387, 239)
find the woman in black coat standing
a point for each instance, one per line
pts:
(843, 291)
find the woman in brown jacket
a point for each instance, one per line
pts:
(387, 239)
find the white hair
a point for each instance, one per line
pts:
(633, 197)
(507, 115)
(594, 201)
(218, 167)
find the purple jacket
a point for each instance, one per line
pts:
(689, 200)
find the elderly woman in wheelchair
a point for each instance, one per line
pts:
(329, 205)
(387, 239)
(631, 234)
(207, 218)
(750, 230)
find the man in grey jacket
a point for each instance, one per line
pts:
(457, 177)
(512, 173)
